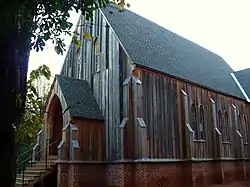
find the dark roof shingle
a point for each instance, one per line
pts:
(153, 46)
(79, 97)
(243, 76)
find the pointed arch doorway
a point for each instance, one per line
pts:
(55, 124)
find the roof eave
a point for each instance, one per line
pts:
(87, 117)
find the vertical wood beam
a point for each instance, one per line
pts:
(126, 101)
(217, 134)
(63, 147)
(141, 147)
(179, 103)
(73, 141)
(239, 137)
(134, 116)
(188, 129)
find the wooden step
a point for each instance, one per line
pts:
(41, 164)
(37, 169)
(35, 172)
(43, 161)
(19, 184)
(26, 180)
(40, 167)
(27, 176)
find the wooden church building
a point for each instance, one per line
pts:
(140, 106)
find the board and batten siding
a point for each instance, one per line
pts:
(105, 73)
(164, 115)
(160, 115)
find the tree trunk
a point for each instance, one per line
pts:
(13, 76)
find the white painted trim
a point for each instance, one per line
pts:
(183, 92)
(240, 87)
(212, 101)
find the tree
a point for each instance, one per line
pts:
(37, 90)
(27, 25)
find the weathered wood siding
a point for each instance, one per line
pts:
(91, 138)
(169, 133)
(160, 115)
(164, 114)
(105, 72)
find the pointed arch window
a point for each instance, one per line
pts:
(245, 130)
(201, 123)
(243, 127)
(219, 125)
(194, 121)
(226, 129)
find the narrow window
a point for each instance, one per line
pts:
(97, 54)
(226, 130)
(244, 129)
(201, 123)
(240, 128)
(219, 121)
(194, 122)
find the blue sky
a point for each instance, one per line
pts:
(222, 26)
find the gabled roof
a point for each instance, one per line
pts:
(155, 47)
(243, 76)
(79, 97)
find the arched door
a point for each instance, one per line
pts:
(55, 124)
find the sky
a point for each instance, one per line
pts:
(222, 26)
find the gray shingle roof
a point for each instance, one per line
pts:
(79, 97)
(155, 47)
(243, 77)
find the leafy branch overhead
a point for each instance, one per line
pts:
(45, 20)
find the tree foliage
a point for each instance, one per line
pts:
(44, 20)
(37, 90)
